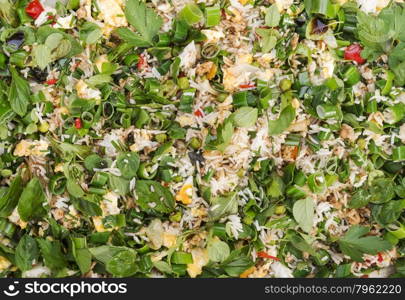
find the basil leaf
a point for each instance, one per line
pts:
(90, 33)
(389, 212)
(355, 245)
(359, 199)
(30, 204)
(88, 205)
(287, 115)
(236, 263)
(381, 190)
(218, 251)
(303, 212)
(221, 206)
(74, 188)
(273, 16)
(42, 56)
(53, 40)
(128, 164)
(52, 253)
(9, 200)
(119, 185)
(19, 94)
(245, 116)
(122, 264)
(26, 253)
(153, 197)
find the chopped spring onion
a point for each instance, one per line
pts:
(191, 13)
(213, 16)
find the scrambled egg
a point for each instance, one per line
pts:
(100, 60)
(111, 14)
(186, 192)
(27, 148)
(213, 36)
(284, 4)
(200, 259)
(85, 92)
(4, 263)
(16, 219)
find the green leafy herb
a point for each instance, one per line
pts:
(218, 250)
(245, 116)
(26, 253)
(152, 196)
(52, 253)
(146, 22)
(19, 94)
(287, 115)
(303, 211)
(272, 16)
(354, 244)
(221, 206)
(32, 200)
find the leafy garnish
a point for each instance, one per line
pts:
(146, 22)
(354, 244)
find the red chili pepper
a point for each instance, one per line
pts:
(263, 254)
(78, 123)
(51, 81)
(353, 52)
(247, 86)
(199, 113)
(380, 257)
(142, 64)
(364, 276)
(34, 9)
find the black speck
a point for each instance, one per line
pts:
(16, 40)
(39, 75)
(196, 156)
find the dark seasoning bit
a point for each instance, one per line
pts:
(16, 40)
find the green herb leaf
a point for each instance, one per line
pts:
(52, 254)
(145, 21)
(20, 93)
(221, 206)
(152, 196)
(9, 199)
(26, 253)
(30, 204)
(245, 116)
(303, 212)
(287, 115)
(354, 244)
(272, 16)
(128, 164)
(218, 250)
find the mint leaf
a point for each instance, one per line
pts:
(354, 244)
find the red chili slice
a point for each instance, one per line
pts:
(247, 86)
(380, 257)
(199, 113)
(353, 52)
(263, 254)
(34, 9)
(78, 123)
(51, 81)
(142, 63)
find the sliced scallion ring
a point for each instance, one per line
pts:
(191, 13)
